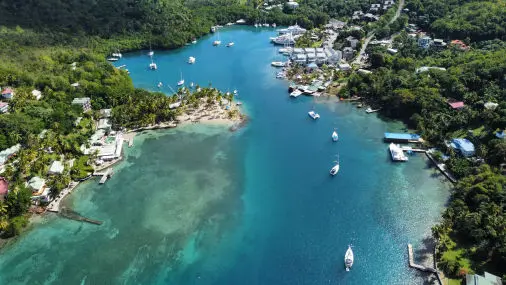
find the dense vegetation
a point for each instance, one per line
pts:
(477, 20)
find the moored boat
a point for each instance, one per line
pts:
(348, 258)
(112, 59)
(313, 115)
(335, 136)
(397, 153)
(295, 93)
(191, 60)
(278, 64)
(153, 66)
(335, 169)
(230, 44)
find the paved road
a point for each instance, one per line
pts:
(361, 54)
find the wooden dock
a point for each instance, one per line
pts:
(442, 168)
(408, 148)
(105, 175)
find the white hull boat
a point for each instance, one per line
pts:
(348, 258)
(335, 169)
(151, 53)
(112, 59)
(335, 136)
(230, 44)
(313, 115)
(296, 93)
(191, 60)
(278, 64)
(397, 153)
(153, 66)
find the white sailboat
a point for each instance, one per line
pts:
(335, 169)
(191, 60)
(348, 258)
(217, 42)
(152, 65)
(230, 44)
(335, 136)
(313, 115)
(160, 84)
(180, 82)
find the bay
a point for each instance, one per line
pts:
(201, 205)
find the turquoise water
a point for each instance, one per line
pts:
(201, 205)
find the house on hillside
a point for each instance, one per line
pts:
(487, 279)
(8, 93)
(456, 105)
(84, 102)
(39, 189)
(459, 44)
(292, 5)
(465, 147)
(56, 168)
(37, 94)
(424, 42)
(4, 107)
(4, 188)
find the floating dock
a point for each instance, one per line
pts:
(105, 175)
(404, 138)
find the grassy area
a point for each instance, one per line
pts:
(456, 258)
(454, 282)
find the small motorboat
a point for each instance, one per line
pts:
(191, 60)
(348, 258)
(194, 41)
(153, 66)
(235, 92)
(335, 136)
(313, 115)
(278, 64)
(151, 53)
(216, 43)
(117, 54)
(160, 84)
(296, 93)
(180, 82)
(230, 44)
(238, 103)
(273, 25)
(335, 169)
(112, 59)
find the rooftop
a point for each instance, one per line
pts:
(36, 183)
(400, 136)
(463, 144)
(4, 186)
(56, 168)
(6, 91)
(456, 105)
(8, 152)
(487, 279)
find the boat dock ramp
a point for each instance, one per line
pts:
(105, 175)
(412, 264)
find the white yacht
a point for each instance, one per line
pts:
(230, 44)
(313, 115)
(191, 60)
(287, 39)
(218, 41)
(278, 64)
(397, 153)
(335, 136)
(117, 54)
(294, 30)
(153, 66)
(160, 84)
(194, 41)
(296, 93)
(273, 25)
(151, 53)
(256, 25)
(348, 258)
(112, 59)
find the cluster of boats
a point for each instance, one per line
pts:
(265, 25)
(115, 56)
(314, 89)
(397, 153)
(288, 36)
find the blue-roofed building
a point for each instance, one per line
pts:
(398, 137)
(465, 147)
(501, 134)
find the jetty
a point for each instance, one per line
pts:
(408, 149)
(105, 175)
(441, 167)
(72, 215)
(412, 264)
(402, 138)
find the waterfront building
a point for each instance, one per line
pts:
(465, 147)
(105, 113)
(104, 124)
(39, 189)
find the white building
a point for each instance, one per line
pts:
(56, 168)
(105, 113)
(344, 67)
(84, 102)
(104, 124)
(4, 107)
(39, 189)
(37, 94)
(292, 4)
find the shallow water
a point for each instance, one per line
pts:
(201, 205)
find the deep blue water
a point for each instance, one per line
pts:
(282, 219)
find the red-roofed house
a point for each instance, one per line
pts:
(7, 93)
(459, 44)
(3, 188)
(456, 105)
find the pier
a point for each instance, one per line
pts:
(412, 264)
(441, 167)
(105, 175)
(131, 142)
(402, 138)
(72, 215)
